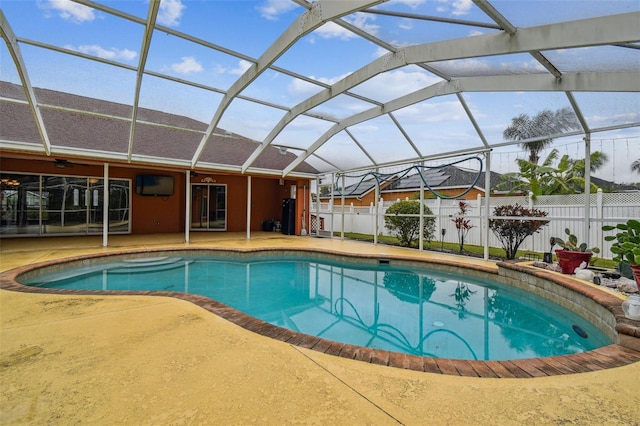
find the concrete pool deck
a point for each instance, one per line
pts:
(160, 360)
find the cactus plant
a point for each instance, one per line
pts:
(571, 243)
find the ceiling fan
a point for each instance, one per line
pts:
(62, 164)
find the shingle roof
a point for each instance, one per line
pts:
(107, 127)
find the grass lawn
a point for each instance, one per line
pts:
(471, 250)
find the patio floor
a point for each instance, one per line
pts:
(160, 360)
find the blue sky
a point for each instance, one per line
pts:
(327, 55)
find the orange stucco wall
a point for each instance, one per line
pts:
(153, 214)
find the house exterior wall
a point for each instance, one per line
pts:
(365, 200)
(471, 195)
(158, 214)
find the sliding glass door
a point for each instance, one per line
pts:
(209, 207)
(57, 204)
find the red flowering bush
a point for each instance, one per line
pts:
(512, 231)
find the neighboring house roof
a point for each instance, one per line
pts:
(107, 128)
(614, 187)
(443, 178)
(447, 177)
(357, 189)
(433, 178)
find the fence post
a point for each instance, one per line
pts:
(437, 213)
(372, 218)
(379, 218)
(333, 194)
(599, 217)
(342, 208)
(532, 239)
(530, 200)
(479, 207)
(487, 201)
(317, 209)
(351, 217)
(421, 220)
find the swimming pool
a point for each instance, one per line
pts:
(375, 303)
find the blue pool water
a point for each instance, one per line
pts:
(398, 308)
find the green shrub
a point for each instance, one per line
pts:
(407, 228)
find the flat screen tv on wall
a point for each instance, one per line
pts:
(154, 185)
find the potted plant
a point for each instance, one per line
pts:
(573, 254)
(627, 245)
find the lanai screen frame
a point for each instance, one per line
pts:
(614, 30)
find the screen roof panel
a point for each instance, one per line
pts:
(184, 59)
(596, 58)
(342, 152)
(541, 12)
(186, 101)
(71, 74)
(302, 132)
(396, 80)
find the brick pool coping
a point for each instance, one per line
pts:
(611, 356)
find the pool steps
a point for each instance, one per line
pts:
(125, 266)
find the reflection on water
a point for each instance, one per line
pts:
(410, 310)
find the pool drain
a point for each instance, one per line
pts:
(580, 331)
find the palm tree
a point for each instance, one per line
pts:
(598, 159)
(635, 166)
(567, 177)
(532, 177)
(544, 123)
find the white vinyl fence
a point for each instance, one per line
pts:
(564, 211)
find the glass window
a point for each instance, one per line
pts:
(119, 201)
(65, 200)
(209, 207)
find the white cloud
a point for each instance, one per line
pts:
(620, 118)
(393, 84)
(473, 66)
(461, 7)
(406, 25)
(300, 89)
(170, 12)
(187, 66)
(431, 112)
(271, 9)
(111, 53)
(242, 67)
(379, 52)
(332, 30)
(359, 20)
(69, 11)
